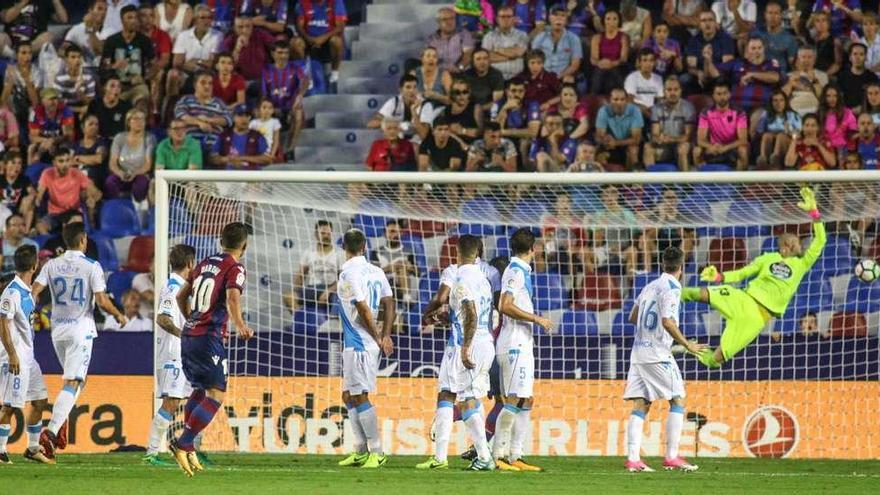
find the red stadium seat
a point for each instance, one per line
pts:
(594, 103)
(874, 251)
(140, 254)
(599, 292)
(847, 324)
(214, 214)
(449, 252)
(798, 229)
(728, 253)
(700, 102)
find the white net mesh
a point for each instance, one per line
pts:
(786, 394)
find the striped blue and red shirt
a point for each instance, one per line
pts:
(754, 93)
(209, 281)
(319, 16)
(282, 85)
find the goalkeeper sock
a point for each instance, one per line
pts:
(504, 430)
(522, 428)
(634, 436)
(33, 435)
(61, 408)
(674, 423)
(357, 431)
(492, 419)
(442, 429)
(5, 431)
(690, 294)
(476, 425)
(158, 430)
(199, 419)
(370, 423)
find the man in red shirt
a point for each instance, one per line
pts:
(229, 86)
(66, 186)
(391, 154)
(161, 48)
(541, 86)
(250, 48)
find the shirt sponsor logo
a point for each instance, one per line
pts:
(780, 270)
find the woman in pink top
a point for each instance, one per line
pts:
(575, 114)
(609, 52)
(838, 122)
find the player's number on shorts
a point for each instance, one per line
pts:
(76, 295)
(650, 318)
(202, 291)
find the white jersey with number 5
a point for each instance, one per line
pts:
(517, 281)
(470, 285)
(168, 345)
(359, 281)
(659, 299)
(72, 279)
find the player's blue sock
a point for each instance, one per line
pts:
(199, 419)
(33, 435)
(492, 419)
(61, 408)
(5, 431)
(370, 423)
(674, 424)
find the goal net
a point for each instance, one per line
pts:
(807, 386)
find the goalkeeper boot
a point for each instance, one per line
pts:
(638, 467)
(375, 461)
(481, 465)
(680, 464)
(355, 459)
(181, 457)
(153, 460)
(525, 466)
(504, 465)
(194, 462)
(707, 357)
(433, 463)
(4, 458)
(48, 442)
(469, 454)
(37, 456)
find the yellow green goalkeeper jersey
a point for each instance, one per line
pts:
(774, 279)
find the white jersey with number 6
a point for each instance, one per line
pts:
(73, 279)
(659, 299)
(359, 281)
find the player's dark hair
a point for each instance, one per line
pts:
(354, 241)
(522, 241)
(234, 235)
(468, 246)
(491, 127)
(25, 258)
(323, 223)
(73, 234)
(673, 258)
(180, 256)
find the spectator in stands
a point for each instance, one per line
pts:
(492, 153)
(805, 83)
(506, 44)
(131, 159)
(28, 22)
(753, 77)
(76, 86)
(829, 51)
(113, 20)
(656, 239)
(65, 187)
(486, 82)
(672, 127)
(16, 191)
(391, 153)
(265, 123)
(683, 17)
(643, 86)
(228, 85)
(162, 48)
(10, 135)
(773, 130)
(562, 49)
(844, 15)
(609, 52)
(667, 51)
(51, 125)
(315, 283)
(13, 238)
(871, 105)
(454, 46)
(205, 116)
(809, 326)
(178, 151)
(285, 84)
(722, 132)
(722, 48)
(871, 40)
(440, 152)
(565, 239)
(809, 150)
(131, 305)
(21, 84)
(55, 245)
(585, 159)
(143, 284)
(90, 152)
(321, 23)
(110, 108)
(575, 114)
(541, 86)
(736, 17)
(635, 23)
(613, 248)
(402, 107)
(856, 77)
(520, 120)
(431, 81)
(553, 150)
(397, 261)
(268, 15)
(530, 16)
(838, 121)
(240, 147)
(619, 129)
(779, 43)
(130, 53)
(250, 48)
(174, 17)
(194, 51)
(865, 144)
(85, 35)
(465, 117)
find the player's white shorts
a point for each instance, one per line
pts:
(465, 383)
(74, 354)
(517, 370)
(28, 385)
(172, 382)
(359, 370)
(652, 381)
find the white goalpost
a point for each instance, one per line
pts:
(789, 394)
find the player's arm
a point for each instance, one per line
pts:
(809, 205)
(233, 306)
(469, 325)
(743, 273)
(103, 301)
(634, 314)
(366, 316)
(668, 309)
(183, 300)
(507, 307)
(163, 319)
(435, 304)
(6, 339)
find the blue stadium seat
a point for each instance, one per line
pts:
(106, 253)
(692, 319)
(179, 218)
(119, 218)
(621, 325)
(203, 244)
(308, 320)
(715, 167)
(744, 213)
(836, 257)
(414, 244)
(862, 297)
(373, 222)
(475, 210)
(34, 171)
(770, 245)
(150, 227)
(578, 322)
(529, 212)
(118, 283)
(662, 167)
(502, 246)
(714, 192)
(586, 199)
(428, 285)
(550, 293)
(640, 280)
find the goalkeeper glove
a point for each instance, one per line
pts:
(808, 203)
(710, 274)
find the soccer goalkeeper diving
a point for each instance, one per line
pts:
(773, 281)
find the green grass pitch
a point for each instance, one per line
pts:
(313, 474)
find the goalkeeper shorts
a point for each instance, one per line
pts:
(743, 317)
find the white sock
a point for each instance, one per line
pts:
(5, 431)
(634, 436)
(360, 440)
(33, 436)
(503, 431)
(476, 425)
(442, 430)
(674, 423)
(521, 427)
(334, 76)
(61, 409)
(370, 424)
(158, 430)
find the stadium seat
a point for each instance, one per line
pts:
(578, 322)
(204, 245)
(836, 258)
(743, 214)
(640, 280)
(140, 254)
(692, 319)
(715, 167)
(848, 324)
(449, 252)
(414, 244)
(662, 167)
(118, 283)
(150, 223)
(502, 246)
(179, 218)
(862, 297)
(770, 245)
(425, 228)
(599, 292)
(529, 212)
(700, 102)
(372, 223)
(474, 210)
(106, 253)
(119, 218)
(550, 293)
(307, 321)
(429, 283)
(621, 325)
(728, 253)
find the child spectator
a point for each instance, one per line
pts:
(266, 124)
(585, 160)
(809, 150)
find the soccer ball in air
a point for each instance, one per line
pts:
(867, 270)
